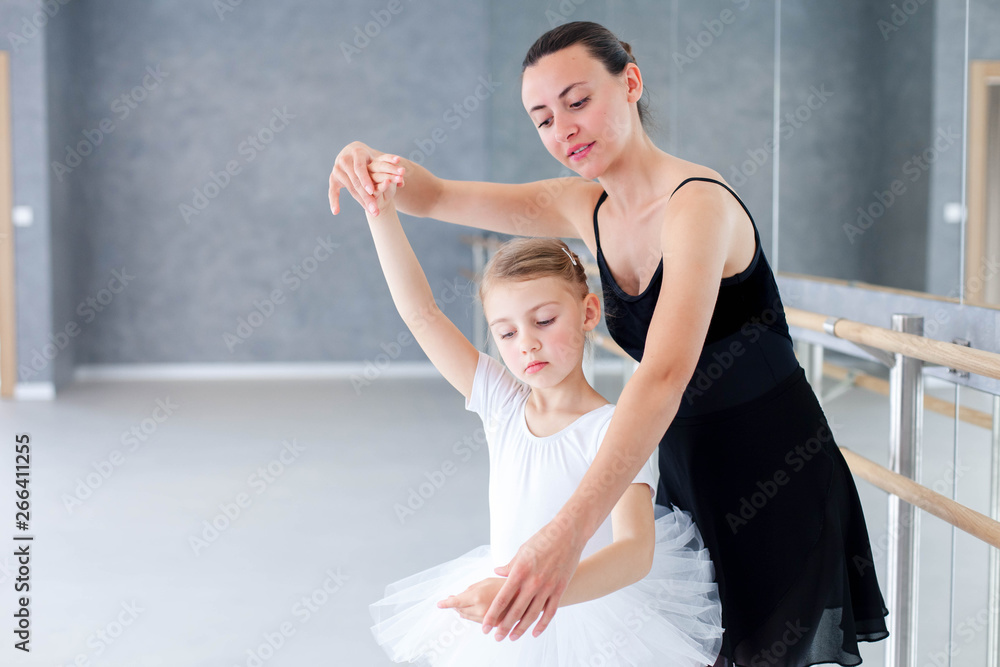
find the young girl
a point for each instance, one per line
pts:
(643, 592)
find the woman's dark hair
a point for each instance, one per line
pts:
(600, 42)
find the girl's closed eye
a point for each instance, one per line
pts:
(543, 323)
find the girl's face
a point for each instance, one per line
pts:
(577, 106)
(539, 326)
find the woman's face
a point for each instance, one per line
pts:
(540, 320)
(577, 106)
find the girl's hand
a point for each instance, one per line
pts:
(385, 185)
(384, 193)
(382, 171)
(351, 171)
(472, 603)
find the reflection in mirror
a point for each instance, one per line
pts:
(982, 265)
(981, 271)
(871, 112)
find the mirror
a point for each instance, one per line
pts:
(871, 165)
(982, 244)
(981, 266)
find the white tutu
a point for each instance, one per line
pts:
(672, 616)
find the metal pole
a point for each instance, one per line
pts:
(801, 348)
(906, 400)
(811, 355)
(816, 361)
(993, 602)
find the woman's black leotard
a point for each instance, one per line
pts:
(751, 456)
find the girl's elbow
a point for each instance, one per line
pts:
(645, 552)
(647, 563)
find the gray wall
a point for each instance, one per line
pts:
(219, 79)
(71, 252)
(221, 76)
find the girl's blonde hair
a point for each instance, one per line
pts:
(531, 257)
(527, 258)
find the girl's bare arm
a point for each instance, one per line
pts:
(445, 345)
(626, 560)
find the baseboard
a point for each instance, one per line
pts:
(251, 371)
(276, 371)
(34, 391)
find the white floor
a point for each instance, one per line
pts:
(311, 475)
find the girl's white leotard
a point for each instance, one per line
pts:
(672, 616)
(532, 477)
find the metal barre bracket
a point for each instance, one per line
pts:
(887, 359)
(967, 343)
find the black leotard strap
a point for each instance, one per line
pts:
(604, 195)
(597, 232)
(712, 180)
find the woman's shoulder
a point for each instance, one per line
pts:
(681, 171)
(714, 194)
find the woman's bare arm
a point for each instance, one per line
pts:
(539, 208)
(695, 241)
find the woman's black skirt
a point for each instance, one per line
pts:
(779, 512)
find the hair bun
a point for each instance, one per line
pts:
(628, 50)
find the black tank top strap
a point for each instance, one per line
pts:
(604, 195)
(712, 180)
(597, 232)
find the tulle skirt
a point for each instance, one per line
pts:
(671, 616)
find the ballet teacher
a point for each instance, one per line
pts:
(685, 283)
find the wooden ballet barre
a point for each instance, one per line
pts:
(863, 380)
(972, 522)
(931, 403)
(949, 355)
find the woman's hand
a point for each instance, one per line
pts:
(472, 603)
(537, 577)
(351, 170)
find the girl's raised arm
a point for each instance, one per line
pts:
(540, 208)
(447, 348)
